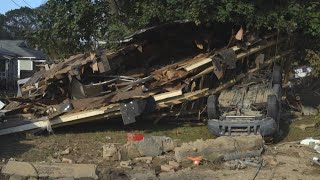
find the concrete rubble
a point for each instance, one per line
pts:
(51, 170)
(150, 147)
(221, 148)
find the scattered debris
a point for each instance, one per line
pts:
(316, 160)
(126, 164)
(110, 152)
(146, 159)
(303, 127)
(66, 160)
(167, 168)
(196, 160)
(65, 152)
(174, 164)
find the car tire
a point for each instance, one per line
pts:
(212, 107)
(273, 110)
(277, 75)
(277, 90)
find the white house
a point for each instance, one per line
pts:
(17, 61)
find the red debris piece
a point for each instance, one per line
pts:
(134, 137)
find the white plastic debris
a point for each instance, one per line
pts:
(317, 148)
(315, 143)
(310, 141)
(315, 160)
(302, 72)
(2, 105)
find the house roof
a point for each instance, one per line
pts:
(20, 48)
(5, 54)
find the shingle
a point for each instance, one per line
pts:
(19, 47)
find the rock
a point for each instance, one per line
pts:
(128, 151)
(270, 160)
(222, 147)
(19, 168)
(81, 159)
(16, 177)
(142, 173)
(126, 164)
(108, 138)
(149, 146)
(66, 160)
(167, 143)
(110, 152)
(154, 145)
(50, 170)
(166, 168)
(309, 111)
(65, 152)
(174, 164)
(53, 160)
(231, 165)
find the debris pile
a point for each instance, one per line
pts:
(165, 70)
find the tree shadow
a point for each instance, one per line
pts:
(13, 146)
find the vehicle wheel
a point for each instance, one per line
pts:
(277, 75)
(273, 109)
(277, 90)
(212, 107)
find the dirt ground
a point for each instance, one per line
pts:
(289, 159)
(285, 159)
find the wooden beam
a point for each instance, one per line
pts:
(197, 64)
(166, 95)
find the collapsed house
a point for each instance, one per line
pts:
(166, 70)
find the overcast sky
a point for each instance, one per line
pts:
(7, 5)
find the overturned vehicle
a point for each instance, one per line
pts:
(252, 107)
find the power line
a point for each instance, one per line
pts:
(27, 4)
(15, 3)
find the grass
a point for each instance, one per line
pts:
(88, 138)
(295, 133)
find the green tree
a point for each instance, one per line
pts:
(18, 22)
(3, 33)
(70, 26)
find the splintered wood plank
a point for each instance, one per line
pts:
(206, 92)
(197, 64)
(240, 55)
(166, 95)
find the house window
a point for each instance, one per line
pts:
(2, 69)
(2, 65)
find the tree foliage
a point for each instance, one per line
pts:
(64, 27)
(15, 24)
(70, 26)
